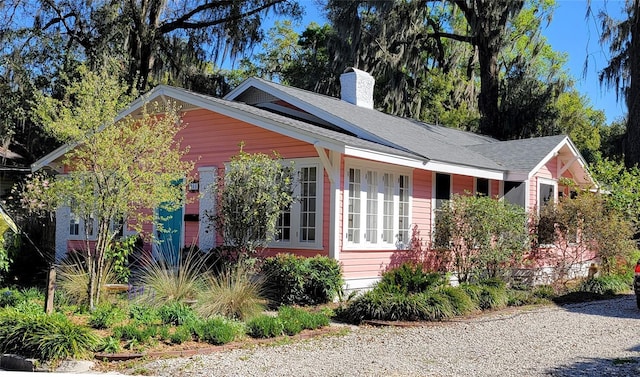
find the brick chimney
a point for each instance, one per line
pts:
(356, 87)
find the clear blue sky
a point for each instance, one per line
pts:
(569, 32)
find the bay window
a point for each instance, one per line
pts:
(377, 208)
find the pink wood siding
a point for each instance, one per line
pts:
(421, 209)
(549, 171)
(462, 184)
(366, 264)
(214, 138)
(495, 188)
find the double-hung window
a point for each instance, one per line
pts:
(74, 225)
(377, 208)
(300, 225)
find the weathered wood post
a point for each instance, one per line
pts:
(51, 289)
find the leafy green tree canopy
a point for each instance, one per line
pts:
(116, 168)
(252, 194)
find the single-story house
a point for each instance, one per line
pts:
(368, 177)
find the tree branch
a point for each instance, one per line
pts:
(456, 37)
(182, 22)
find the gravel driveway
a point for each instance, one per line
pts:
(592, 339)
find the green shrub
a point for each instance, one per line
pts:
(265, 326)
(492, 297)
(45, 337)
(325, 281)
(461, 303)
(294, 280)
(176, 313)
(291, 320)
(31, 307)
(163, 333)
(144, 314)
(607, 285)
(312, 321)
(234, 293)
(409, 278)
(134, 332)
(181, 335)
(474, 292)
(110, 345)
(105, 316)
(294, 320)
(10, 297)
(217, 330)
(544, 292)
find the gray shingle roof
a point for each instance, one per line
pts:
(519, 155)
(432, 142)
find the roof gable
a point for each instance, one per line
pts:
(318, 136)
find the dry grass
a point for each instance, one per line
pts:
(73, 279)
(234, 293)
(166, 280)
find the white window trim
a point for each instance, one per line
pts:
(545, 181)
(433, 197)
(81, 230)
(475, 186)
(294, 241)
(381, 169)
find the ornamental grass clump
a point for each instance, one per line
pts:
(73, 278)
(461, 303)
(492, 297)
(167, 278)
(235, 293)
(44, 337)
(409, 278)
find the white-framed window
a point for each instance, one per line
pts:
(300, 226)
(547, 192)
(482, 187)
(74, 225)
(377, 209)
(79, 227)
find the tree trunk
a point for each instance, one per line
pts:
(488, 97)
(632, 137)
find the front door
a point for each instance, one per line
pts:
(169, 234)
